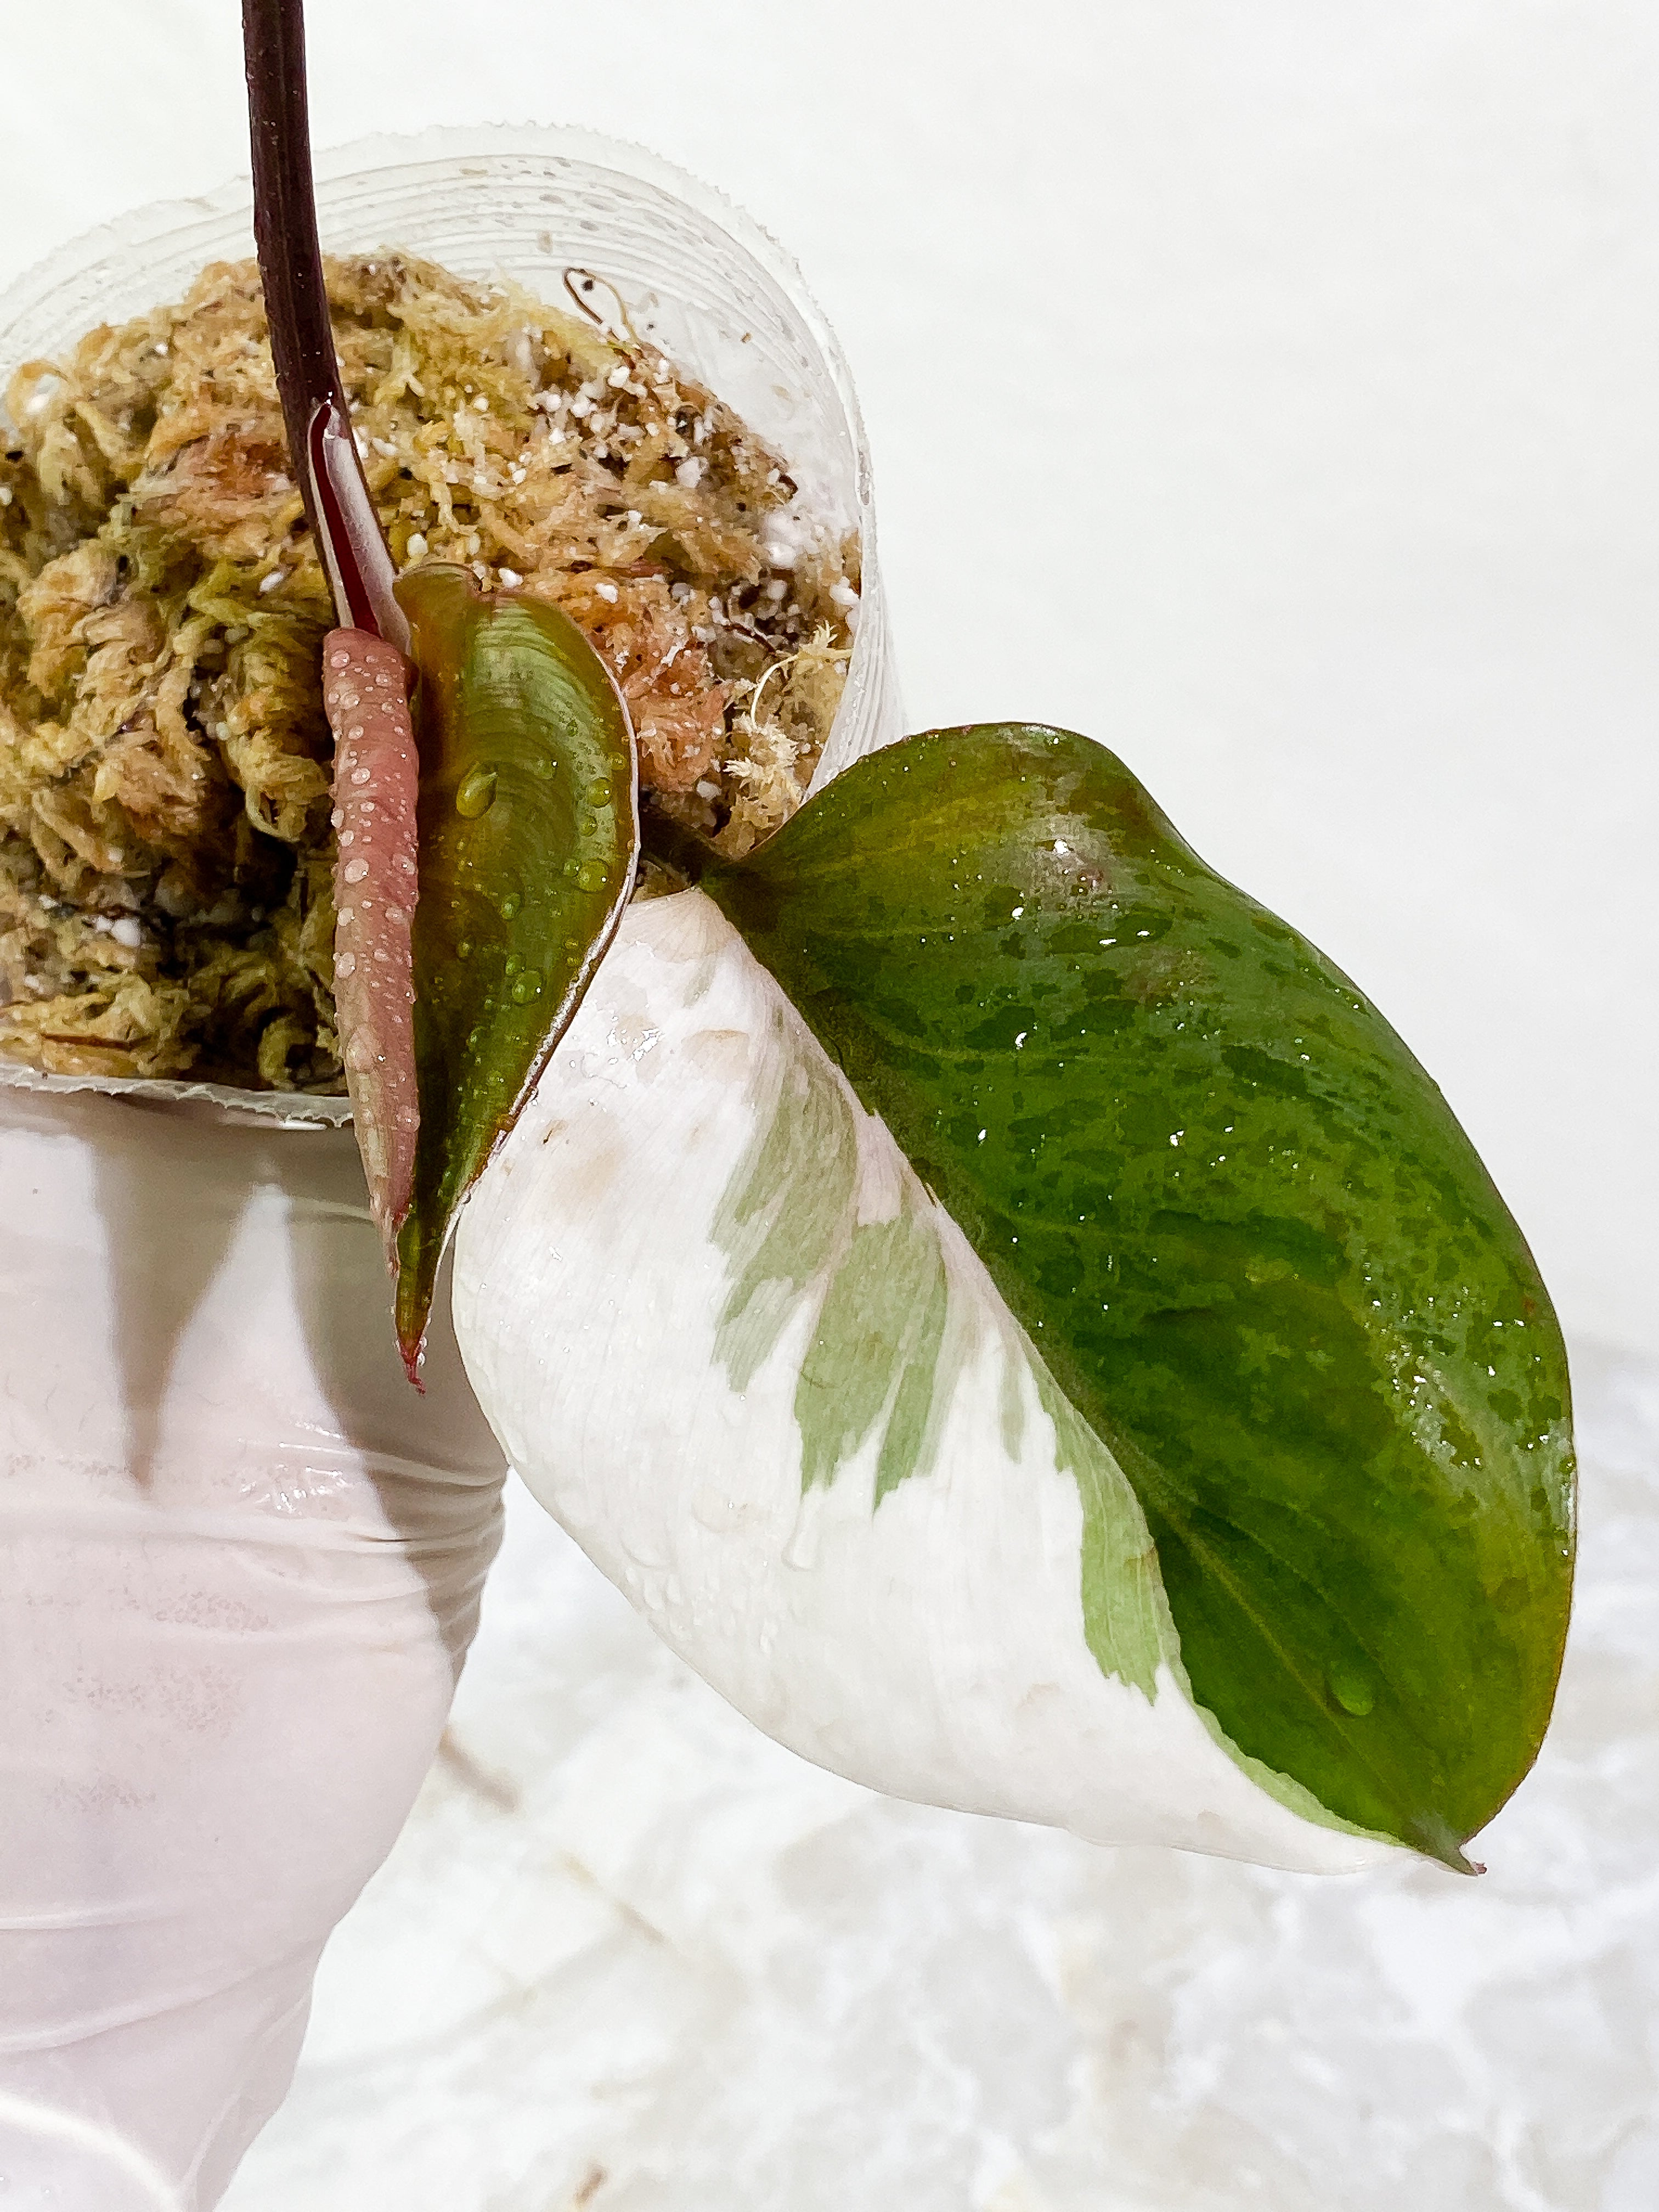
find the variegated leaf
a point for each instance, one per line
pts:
(736, 1347)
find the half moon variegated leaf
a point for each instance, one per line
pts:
(1259, 1255)
(734, 1344)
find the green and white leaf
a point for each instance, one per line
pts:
(737, 1348)
(1257, 1251)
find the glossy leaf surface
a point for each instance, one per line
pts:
(1242, 1228)
(529, 832)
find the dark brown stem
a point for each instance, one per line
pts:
(326, 464)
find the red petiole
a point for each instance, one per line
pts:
(367, 675)
(339, 505)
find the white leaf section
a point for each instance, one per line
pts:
(827, 1480)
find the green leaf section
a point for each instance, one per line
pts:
(888, 1348)
(877, 1354)
(529, 832)
(1241, 1226)
(1125, 1610)
(781, 1222)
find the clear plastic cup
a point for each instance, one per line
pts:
(696, 275)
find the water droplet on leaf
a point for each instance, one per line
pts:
(475, 794)
(1351, 1690)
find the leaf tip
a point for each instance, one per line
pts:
(1434, 1837)
(413, 1354)
(416, 1260)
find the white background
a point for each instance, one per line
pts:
(1267, 389)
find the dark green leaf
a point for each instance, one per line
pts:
(1245, 1232)
(529, 832)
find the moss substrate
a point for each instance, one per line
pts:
(166, 857)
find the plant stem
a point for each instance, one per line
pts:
(339, 504)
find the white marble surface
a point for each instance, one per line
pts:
(630, 1956)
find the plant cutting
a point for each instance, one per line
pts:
(1251, 1270)
(1013, 1315)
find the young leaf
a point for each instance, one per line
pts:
(529, 832)
(376, 794)
(1244, 1231)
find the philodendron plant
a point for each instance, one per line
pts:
(1010, 1312)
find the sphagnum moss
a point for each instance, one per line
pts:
(164, 846)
